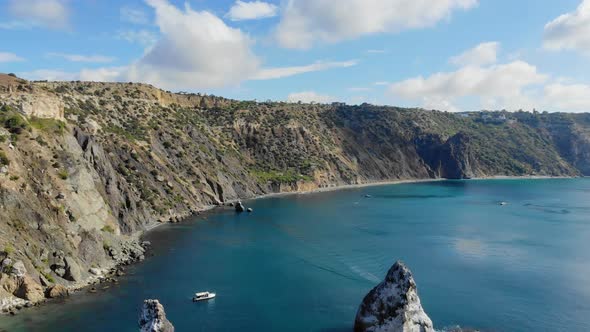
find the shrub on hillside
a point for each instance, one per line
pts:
(15, 123)
(4, 161)
(63, 174)
(48, 125)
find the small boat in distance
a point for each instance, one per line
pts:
(503, 203)
(202, 296)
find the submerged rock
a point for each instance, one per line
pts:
(393, 305)
(152, 318)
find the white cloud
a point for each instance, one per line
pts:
(49, 74)
(567, 97)
(254, 10)
(10, 57)
(280, 72)
(83, 58)
(102, 74)
(513, 85)
(310, 97)
(570, 31)
(306, 22)
(97, 75)
(196, 50)
(49, 13)
(482, 54)
(16, 25)
(133, 15)
(482, 84)
(143, 37)
(497, 86)
(381, 83)
(358, 89)
(376, 51)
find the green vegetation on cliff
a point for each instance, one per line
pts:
(287, 176)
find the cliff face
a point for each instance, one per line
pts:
(84, 167)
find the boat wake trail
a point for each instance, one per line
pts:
(343, 275)
(365, 275)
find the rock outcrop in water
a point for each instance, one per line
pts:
(152, 318)
(240, 207)
(393, 305)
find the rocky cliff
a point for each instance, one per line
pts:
(87, 167)
(393, 305)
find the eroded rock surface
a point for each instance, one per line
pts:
(152, 318)
(393, 305)
(30, 290)
(57, 291)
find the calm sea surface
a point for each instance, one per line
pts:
(304, 262)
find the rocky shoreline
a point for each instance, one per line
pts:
(134, 251)
(21, 291)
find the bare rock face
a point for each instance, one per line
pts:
(8, 284)
(152, 318)
(73, 272)
(19, 269)
(30, 290)
(57, 291)
(42, 106)
(393, 305)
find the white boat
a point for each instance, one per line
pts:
(202, 296)
(503, 203)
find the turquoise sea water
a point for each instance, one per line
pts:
(304, 262)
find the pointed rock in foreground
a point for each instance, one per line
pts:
(393, 305)
(152, 318)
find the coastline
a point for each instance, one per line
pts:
(401, 181)
(210, 208)
(346, 186)
(525, 177)
(138, 236)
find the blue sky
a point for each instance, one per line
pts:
(449, 54)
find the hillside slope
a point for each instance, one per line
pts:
(85, 167)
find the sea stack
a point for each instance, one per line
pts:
(152, 318)
(240, 207)
(393, 305)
